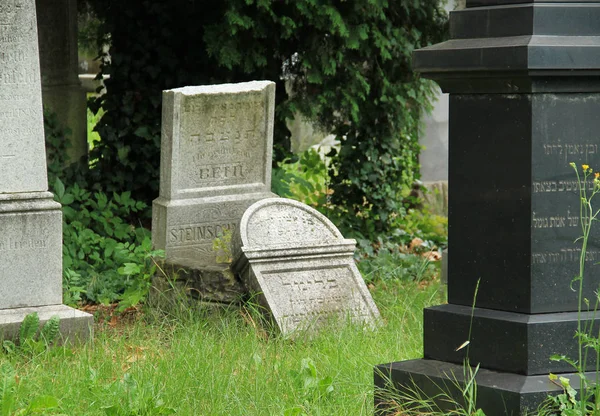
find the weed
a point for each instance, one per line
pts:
(105, 258)
(588, 402)
(412, 400)
(130, 398)
(8, 396)
(31, 339)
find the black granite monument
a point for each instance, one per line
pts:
(524, 84)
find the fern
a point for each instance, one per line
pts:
(7, 389)
(29, 328)
(50, 330)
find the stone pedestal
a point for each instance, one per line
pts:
(524, 103)
(30, 221)
(61, 89)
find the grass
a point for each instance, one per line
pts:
(221, 362)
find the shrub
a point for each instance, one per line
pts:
(348, 66)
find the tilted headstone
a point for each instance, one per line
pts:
(30, 220)
(300, 266)
(215, 162)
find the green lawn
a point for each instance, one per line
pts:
(221, 362)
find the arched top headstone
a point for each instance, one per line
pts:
(281, 222)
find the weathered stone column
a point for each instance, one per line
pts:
(61, 89)
(30, 220)
(524, 87)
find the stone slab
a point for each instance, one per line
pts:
(480, 3)
(300, 267)
(216, 153)
(30, 250)
(22, 151)
(217, 140)
(516, 47)
(75, 326)
(187, 228)
(514, 199)
(498, 393)
(504, 341)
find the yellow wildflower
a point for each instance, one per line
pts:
(585, 167)
(596, 175)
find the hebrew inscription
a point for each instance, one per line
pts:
(565, 255)
(224, 144)
(566, 152)
(556, 221)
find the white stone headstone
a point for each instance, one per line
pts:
(30, 220)
(300, 266)
(22, 151)
(216, 155)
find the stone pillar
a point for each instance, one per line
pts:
(61, 89)
(524, 90)
(30, 220)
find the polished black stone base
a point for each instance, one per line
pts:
(504, 341)
(498, 394)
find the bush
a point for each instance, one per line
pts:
(105, 257)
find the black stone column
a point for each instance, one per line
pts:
(524, 84)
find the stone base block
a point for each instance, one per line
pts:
(187, 228)
(30, 250)
(219, 287)
(505, 341)
(75, 326)
(498, 393)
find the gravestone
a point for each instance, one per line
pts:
(300, 266)
(61, 90)
(30, 220)
(215, 162)
(524, 103)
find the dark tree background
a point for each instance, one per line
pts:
(348, 63)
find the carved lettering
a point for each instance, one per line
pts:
(567, 152)
(20, 76)
(195, 233)
(559, 186)
(555, 221)
(18, 112)
(32, 243)
(15, 56)
(216, 172)
(565, 255)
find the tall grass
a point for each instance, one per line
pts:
(221, 362)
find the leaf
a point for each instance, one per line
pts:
(59, 188)
(129, 269)
(9, 346)
(294, 411)
(29, 327)
(50, 330)
(44, 402)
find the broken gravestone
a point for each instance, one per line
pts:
(300, 266)
(216, 154)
